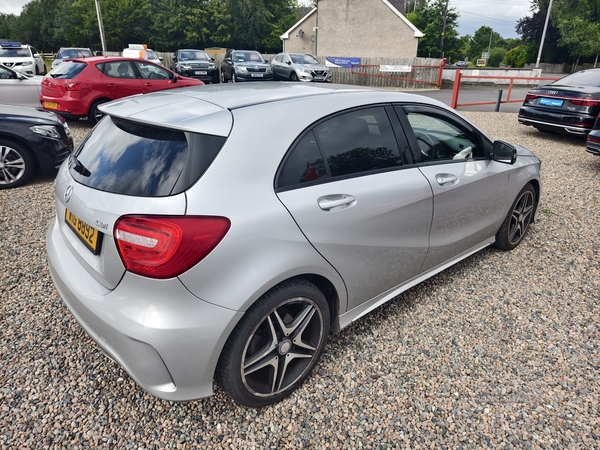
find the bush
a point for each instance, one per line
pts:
(496, 57)
(521, 55)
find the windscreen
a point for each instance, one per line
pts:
(67, 70)
(15, 53)
(129, 158)
(583, 78)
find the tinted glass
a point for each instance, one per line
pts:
(73, 53)
(583, 78)
(133, 159)
(193, 55)
(240, 56)
(68, 70)
(358, 141)
(15, 53)
(299, 58)
(441, 139)
(304, 163)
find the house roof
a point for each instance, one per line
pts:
(417, 32)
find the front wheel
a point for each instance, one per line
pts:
(293, 76)
(275, 345)
(233, 77)
(16, 164)
(514, 227)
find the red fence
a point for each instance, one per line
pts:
(419, 74)
(454, 102)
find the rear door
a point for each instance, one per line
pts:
(469, 188)
(352, 189)
(120, 79)
(16, 91)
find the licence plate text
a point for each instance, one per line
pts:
(551, 102)
(200, 72)
(51, 105)
(257, 74)
(86, 233)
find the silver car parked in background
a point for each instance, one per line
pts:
(188, 246)
(19, 89)
(70, 53)
(299, 67)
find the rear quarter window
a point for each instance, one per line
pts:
(128, 158)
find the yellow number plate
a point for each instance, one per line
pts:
(51, 105)
(88, 234)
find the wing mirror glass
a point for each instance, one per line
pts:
(504, 152)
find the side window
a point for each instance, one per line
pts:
(279, 58)
(358, 141)
(119, 69)
(303, 164)
(150, 71)
(440, 139)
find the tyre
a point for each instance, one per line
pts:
(95, 114)
(233, 77)
(16, 164)
(274, 347)
(293, 76)
(37, 70)
(223, 78)
(514, 227)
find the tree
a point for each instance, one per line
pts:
(7, 25)
(483, 39)
(578, 22)
(429, 18)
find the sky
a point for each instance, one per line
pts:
(501, 15)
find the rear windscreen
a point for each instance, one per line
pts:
(68, 70)
(128, 158)
(579, 79)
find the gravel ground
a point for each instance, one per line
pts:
(499, 351)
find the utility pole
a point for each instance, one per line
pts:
(102, 39)
(537, 61)
(444, 30)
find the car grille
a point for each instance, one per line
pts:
(11, 64)
(319, 73)
(256, 69)
(199, 66)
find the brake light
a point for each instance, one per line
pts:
(585, 102)
(593, 139)
(531, 97)
(164, 246)
(73, 86)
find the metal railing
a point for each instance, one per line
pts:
(456, 90)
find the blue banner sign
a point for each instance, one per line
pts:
(332, 61)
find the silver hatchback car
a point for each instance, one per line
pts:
(189, 247)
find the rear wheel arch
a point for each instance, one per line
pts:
(23, 143)
(94, 105)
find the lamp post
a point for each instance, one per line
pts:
(101, 26)
(537, 61)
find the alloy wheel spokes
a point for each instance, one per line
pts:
(11, 169)
(521, 217)
(278, 362)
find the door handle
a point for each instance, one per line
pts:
(147, 84)
(340, 201)
(111, 86)
(445, 179)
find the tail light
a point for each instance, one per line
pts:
(73, 86)
(165, 247)
(531, 97)
(591, 103)
(593, 139)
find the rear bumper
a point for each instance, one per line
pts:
(577, 124)
(168, 340)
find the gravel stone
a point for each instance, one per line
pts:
(499, 351)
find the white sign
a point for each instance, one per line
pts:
(401, 68)
(485, 55)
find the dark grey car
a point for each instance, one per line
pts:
(189, 245)
(196, 64)
(245, 65)
(299, 67)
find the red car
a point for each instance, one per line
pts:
(75, 88)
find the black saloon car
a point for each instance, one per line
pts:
(245, 65)
(30, 140)
(196, 64)
(569, 105)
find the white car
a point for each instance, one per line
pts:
(22, 58)
(19, 89)
(142, 51)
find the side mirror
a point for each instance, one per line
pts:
(289, 63)
(504, 153)
(174, 58)
(266, 60)
(160, 58)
